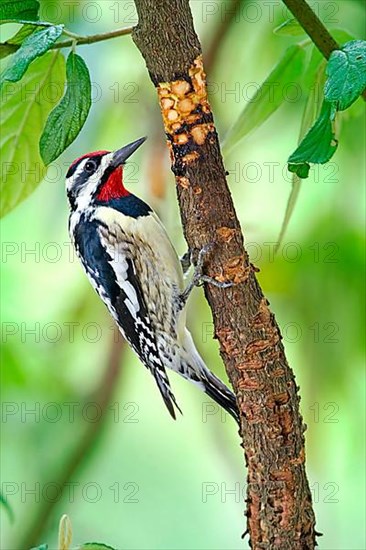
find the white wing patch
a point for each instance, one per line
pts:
(120, 266)
(120, 269)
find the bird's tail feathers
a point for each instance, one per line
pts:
(220, 393)
(163, 384)
(193, 368)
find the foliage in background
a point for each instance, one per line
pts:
(22, 123)
(315, 292)
(68, 117)
(65, 539)
(346, 71)
(6, 506)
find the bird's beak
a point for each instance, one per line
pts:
(120, 156)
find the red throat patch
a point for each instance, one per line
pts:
(113, 188)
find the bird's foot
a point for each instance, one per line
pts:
(199, 278)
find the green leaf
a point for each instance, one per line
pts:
(68, 117)
(19, 9)
(268, 97)
(301, 171)
(95, 546)
(23, 33)
(25, 108)
(40, 547)
(318, 145)
(291, 27)
(341, 36)
(6, 49)
(346, 73)
(33, 46)
(7, 507)
(11, 45)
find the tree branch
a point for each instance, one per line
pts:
(279, 508)
(314, 28)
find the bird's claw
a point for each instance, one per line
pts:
(198, 278)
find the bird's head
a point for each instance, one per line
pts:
(98, 176)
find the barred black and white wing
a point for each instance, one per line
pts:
(108, 259)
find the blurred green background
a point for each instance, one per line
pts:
(83, 437)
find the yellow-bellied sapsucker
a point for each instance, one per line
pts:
(131, 263)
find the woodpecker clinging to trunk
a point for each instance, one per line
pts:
(131, 263)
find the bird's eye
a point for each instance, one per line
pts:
(90, 166)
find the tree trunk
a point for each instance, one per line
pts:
(279, 508)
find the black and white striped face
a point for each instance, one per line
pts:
(89, 173)
(85, 176)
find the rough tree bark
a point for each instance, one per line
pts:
(279, 508)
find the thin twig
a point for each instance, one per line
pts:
(94, 38)
(312, 25)
(80, 40)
